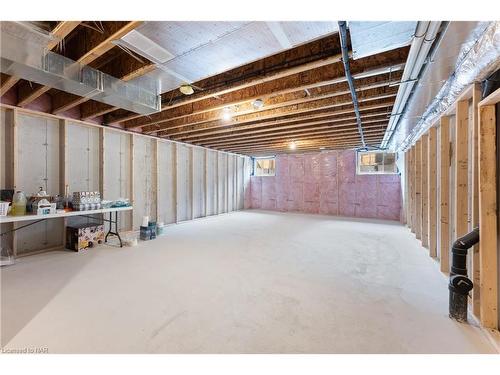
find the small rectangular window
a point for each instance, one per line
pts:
(264, 166)
(376, 162)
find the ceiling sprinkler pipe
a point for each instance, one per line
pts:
(425, 34)
(350, 80)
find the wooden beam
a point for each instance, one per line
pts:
(298, 133)
(418, 189)
(460, 189)
(432, 194)
(411, 187)
(476, 291)
(7, 83)
(444, 195)
(488, 251)
(425, 190)
(327, 75)
(340, 106)
(413, 184)
(275, 100)
(293, 127)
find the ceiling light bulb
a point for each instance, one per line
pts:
(322, 148)
(258, 103)
(186, 89)
(226, 113)
(292, 145)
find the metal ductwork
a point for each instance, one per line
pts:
(23, 54)
(425, 34)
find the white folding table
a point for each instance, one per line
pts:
(38, 218)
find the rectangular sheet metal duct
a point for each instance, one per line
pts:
(23, 54)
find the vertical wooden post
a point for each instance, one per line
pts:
(488, 251)
(132, 200)
(418, 189)
(476, 292)
(191, 186)
(432, 191)
(205, 179)
(174, 176)
(444, 195)
(406, 190)
(461, 172)
(413, 191)
(217, 182)
(156, 180)
(227, 183)
(102, 135)
(14, 174)
(425, 190)
(63, 168)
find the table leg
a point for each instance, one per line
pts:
(110, 231)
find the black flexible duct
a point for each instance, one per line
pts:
(460, 285)
(350, 80)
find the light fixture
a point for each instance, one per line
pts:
(186, 89)
(227, 113)
(322, 148)
(258, 103)
(292, 145)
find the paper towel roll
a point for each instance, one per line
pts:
(145, 221)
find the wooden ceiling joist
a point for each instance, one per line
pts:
(299, 134)
(96, 44)
(339, 103)
(305, 57)
(7, 82)
(257, 123)
(280, 101)
(320, 135)
(327, 75)
(290, 127)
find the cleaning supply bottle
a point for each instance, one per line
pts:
(19, 204)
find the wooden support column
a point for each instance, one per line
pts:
(227, 183)
(174, 176)
(476, 292)
(418, 189)
(444, 195)
(131, 182)
(488, 251)
(425, 190)
(461, 173)
(191, 173)
(413, 199)
(205, 179)
(432, 192)
(63, 168)
(406, 190)
(217, 182)
(156, 180)
(102, 135)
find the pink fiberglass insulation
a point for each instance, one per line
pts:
(327, 183)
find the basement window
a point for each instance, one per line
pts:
(376, 162)
(264, 166)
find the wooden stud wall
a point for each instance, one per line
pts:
(153, 174)
(451, 188)
(424, 190)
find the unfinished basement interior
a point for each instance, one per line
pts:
(249, 187)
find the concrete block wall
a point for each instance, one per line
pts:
(327, 183)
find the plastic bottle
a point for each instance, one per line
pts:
(19, 204)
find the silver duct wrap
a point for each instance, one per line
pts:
(479, 57)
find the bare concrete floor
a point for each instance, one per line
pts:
(246, 282)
